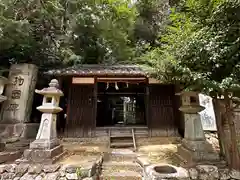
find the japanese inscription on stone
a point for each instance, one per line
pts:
(12, 107)
(207, 115)
(18, 80)
(16, 94)
(19, 91)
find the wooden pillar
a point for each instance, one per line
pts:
(95, 97)
(179, 117)
(147, 108)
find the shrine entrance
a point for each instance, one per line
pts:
(101, 98)
(121, 104)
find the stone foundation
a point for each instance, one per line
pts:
(46, 156)
(194, 156)
(92, 172)
(200, 172)
(50, 172)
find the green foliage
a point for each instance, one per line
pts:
(201, 45)
(79, 172)
(151, 20)
(50, 33)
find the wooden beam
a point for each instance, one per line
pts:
(83, 80)
(153, 81)
(107, 79)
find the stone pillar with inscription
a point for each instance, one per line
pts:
(6, 154)
(16, 110)
(194, 147)
(47, 146)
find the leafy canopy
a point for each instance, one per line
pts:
(201, 45)
(50, 33)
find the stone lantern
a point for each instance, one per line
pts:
(190, 108)
(3, 81)
(194, 145)
(47, 145)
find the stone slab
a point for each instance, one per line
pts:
(143, 161)
(46, 156)
(197, 155)
(121, 175)
(9, 156)
(197, 145)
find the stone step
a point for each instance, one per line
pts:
(120, 155)
(120, 158)
(121, 140)
(119, 136)
(122, 165)
(121, 144)
(7, 156)
(18, 145)
(120, 175)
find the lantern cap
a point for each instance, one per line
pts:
(52, 90)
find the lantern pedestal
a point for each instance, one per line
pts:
(194, 147)
(43, 156)
(46, 148)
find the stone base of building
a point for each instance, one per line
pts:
(9, 156)
(195, 156)
(43, 156)
(19, 130)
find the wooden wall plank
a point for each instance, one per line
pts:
(81, 109)
(162, 108)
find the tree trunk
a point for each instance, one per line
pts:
(221, 135)
(233, 149)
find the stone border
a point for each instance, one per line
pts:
(50, 172)
(199, 172)
(149, 173)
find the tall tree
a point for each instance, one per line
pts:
(202, 52)
(50, 33)
(150, 21)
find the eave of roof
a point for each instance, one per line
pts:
(99, 70)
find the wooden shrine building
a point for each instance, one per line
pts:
(102, 98)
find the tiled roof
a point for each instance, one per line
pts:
(102, 70)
